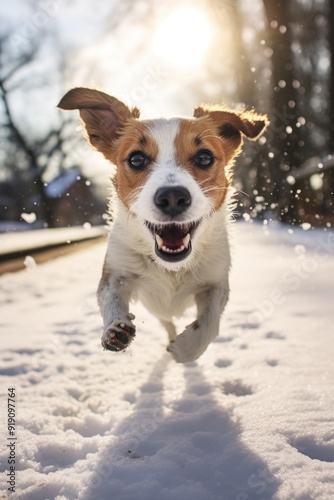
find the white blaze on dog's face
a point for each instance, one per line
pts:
(170, 202)
(171, 174)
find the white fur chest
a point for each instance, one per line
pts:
(166, 293)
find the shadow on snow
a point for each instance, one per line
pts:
(190, 451)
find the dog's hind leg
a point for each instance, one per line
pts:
(171, 330)
(196, 337)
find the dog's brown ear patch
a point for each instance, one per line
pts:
(231, 124)
(104, 116)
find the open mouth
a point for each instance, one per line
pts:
(172, 241)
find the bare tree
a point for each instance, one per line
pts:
(331, 84)
(284, 136)
(27, 153)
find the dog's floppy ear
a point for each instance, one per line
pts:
(104, 116)
(233, 124)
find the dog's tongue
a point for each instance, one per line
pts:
(173, 237)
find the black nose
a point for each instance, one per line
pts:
(172, 201)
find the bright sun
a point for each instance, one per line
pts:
(183, 37)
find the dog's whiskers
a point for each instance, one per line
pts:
(240, 191)
(132, 196)
(214, 188)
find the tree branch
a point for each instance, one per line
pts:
(14, 129)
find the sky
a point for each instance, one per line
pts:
(144, 56)
(150, 56)
(150, 59)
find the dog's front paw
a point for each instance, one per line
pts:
(118, 336)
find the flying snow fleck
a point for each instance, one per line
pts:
(300, 249)
(316, 181)
(30, 218)
(30, 263)
(306, 226)
(291, 180)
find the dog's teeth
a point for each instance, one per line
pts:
(186, 240)
(159, 241)
(169, 250)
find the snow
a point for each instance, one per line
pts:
(29, 241)
(252, 419)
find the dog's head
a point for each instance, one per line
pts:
(171, 173)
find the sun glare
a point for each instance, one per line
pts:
(183, 38)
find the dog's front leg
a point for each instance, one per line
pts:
(113, 295)
(196, 337)
(171, 330)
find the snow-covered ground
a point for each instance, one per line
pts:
(252, 419)
(28, 241)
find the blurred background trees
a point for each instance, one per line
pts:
(275, 56)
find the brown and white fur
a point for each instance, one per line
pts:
(168, 244)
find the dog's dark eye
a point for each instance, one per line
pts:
(137, 160)
(204, 158)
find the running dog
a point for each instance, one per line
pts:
(168, 243)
